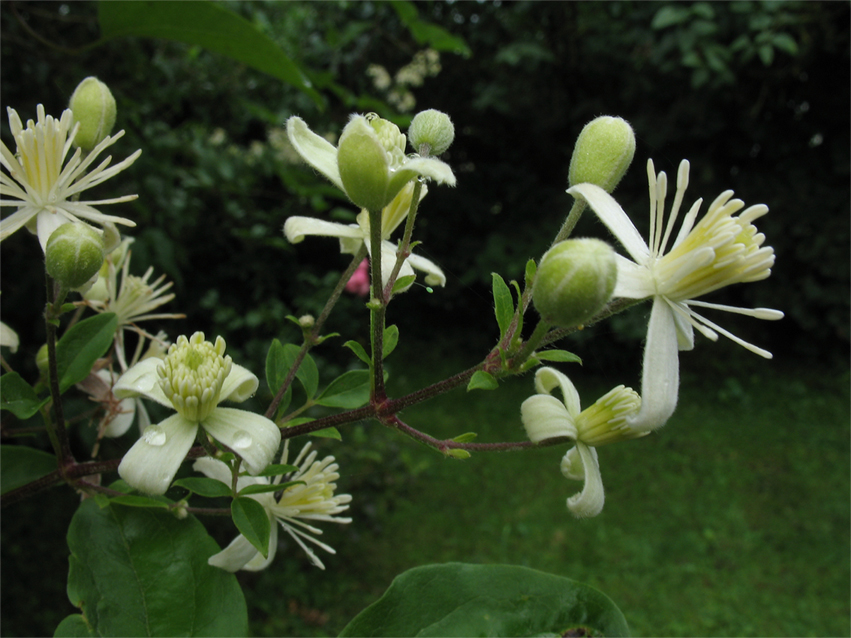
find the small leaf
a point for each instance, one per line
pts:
(357, 348)
(134, 500)
(785, 42)
(482, 380)
(252, 521)
(391, 338)
(465, 438)
(669, 15)
(350, 390)
(307, 372)
(402, 283)
(21, 464)
(558, 355)
(81, 345)
(503, 303)
(19, 397)
(458, 453)
(202, 486)
(277, 469)
(531, 269)
(73, 626)
(328, 433)
(260, 488)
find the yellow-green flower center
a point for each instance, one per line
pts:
(41, 150)
(605, 421)
(192, 375)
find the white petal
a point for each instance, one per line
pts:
(142, 379)
(589, 502)
(429, 167)
(255, 438)
(316, 150)
(215, 469)
(16, 220)
(545, 417)
(241, 553)
(9, 337)
(614, 217)
(258, 563)
(434, 275)
(296, 228)
(660, 377)
(634, 281)
(150, 467)
(239, 385)
(546, 379)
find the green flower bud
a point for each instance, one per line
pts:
(433, 129)
(74, 255)
(390, 137)
(364, 165)
(603, 153)
(42, 361)
(94, 108)
(575, 279)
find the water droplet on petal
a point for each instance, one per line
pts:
(242, 440)
(154, 435)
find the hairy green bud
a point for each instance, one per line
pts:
(94, 108)
(575, 279)
(433, 129)
(603, 153)
(42, 361)
(74, 255)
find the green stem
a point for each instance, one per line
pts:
(570, 222)
(377, 310)
(404, 250)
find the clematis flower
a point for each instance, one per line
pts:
(312, 501)
(193, 379)
(721, 249)
(42, 190)
(353, 236)
(546, 417)
(370, 165)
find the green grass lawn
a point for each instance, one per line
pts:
(733, 520)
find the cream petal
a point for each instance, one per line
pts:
(546, 379)
(150, 465)
(589, 502)
(428, 167)
(258, 563)
(239, 385)
(142, 379)
(660, 377)
(434, 275)
(253, 437)
(614, 217)
(16, 220)
(215, 469)
(296, 228)
(238, 554)
(316, 150)
(634, 281)
(545, 417)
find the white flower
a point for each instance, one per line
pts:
(545, 417)
(41, 189)
(9, 337)
(352, 237)
(193, 379)
(312, 501)
(721, 249)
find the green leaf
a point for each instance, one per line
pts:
(482, 380)
(670, 15)
(20, 464)
(456, 599)
(357, 348)
(350, 390)
(206, 24)
(73, 626)
(503, 303)
(134, 500)
(81, 345)
(203, 486)
(307, 372)
(277, 469)
(457, 453)
(531, 269)
(403, 282)
(557, 355)
(426, 33)
(260, 488)
(279, 361)
(276, 373)
(328, 433)
(252, 521)
(391, 338)
(785, 42)
(18, 396)
(142, 572)
(465, 438)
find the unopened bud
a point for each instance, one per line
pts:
(575, 279)
(42, 361)
(94, 108)
(364, 165)
(603, 153)
(306, 321)
(433, 129)
(74, 255)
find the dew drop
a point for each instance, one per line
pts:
(242, 440)
(154, 435)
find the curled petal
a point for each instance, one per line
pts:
(297, 228)
(253, 437)
(580, 463)
(545, 417)
(142, 380)
(239, 385)
(434, 275)
(546, 379)
(241, 553)
(316, 150)
(150, 465)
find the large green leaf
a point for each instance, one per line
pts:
(143, 572)
(456, 599)
(20, 465)
(350, 390)
(19, 397)
(81, 345)
(206, 24)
